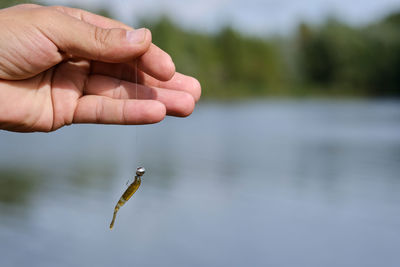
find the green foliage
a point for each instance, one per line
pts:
(8, 3)
(17, 184)
(227, 64)
(317, 57)
(362, 61)
(333, 59)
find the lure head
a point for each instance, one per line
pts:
(140, 171)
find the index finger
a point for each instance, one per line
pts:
(154, 62)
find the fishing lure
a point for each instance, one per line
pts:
(128, 193)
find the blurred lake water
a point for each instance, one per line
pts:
(257, 183)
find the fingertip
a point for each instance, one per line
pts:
(188, 105)
(137, 36)
(147, 39)
(149, 36)
(157, 63)
(159, 111)
(196, 89)
(139, 40)
(154, 112)
(184, 107)
(180, 82)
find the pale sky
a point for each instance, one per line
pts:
(254, 16)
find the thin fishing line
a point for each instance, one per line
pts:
(137, 127)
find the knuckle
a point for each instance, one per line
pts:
(59, 8)
(99, 110)
(118, 91)
(101, 39)
(74, 12)
(124, 112)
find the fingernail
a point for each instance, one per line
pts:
(136, 36)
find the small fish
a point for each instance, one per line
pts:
(128, 193)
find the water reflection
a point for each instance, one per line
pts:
(18, 185)
(269, 183)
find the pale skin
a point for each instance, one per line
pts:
(60, 66)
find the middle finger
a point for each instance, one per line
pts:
(127, 72)
(178, 103)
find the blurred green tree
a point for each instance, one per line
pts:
(317, 59)
(8, 3)
(332, 58)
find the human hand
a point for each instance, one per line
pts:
(60, 66)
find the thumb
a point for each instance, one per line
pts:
(81, 39)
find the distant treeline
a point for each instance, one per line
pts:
(331, 59)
